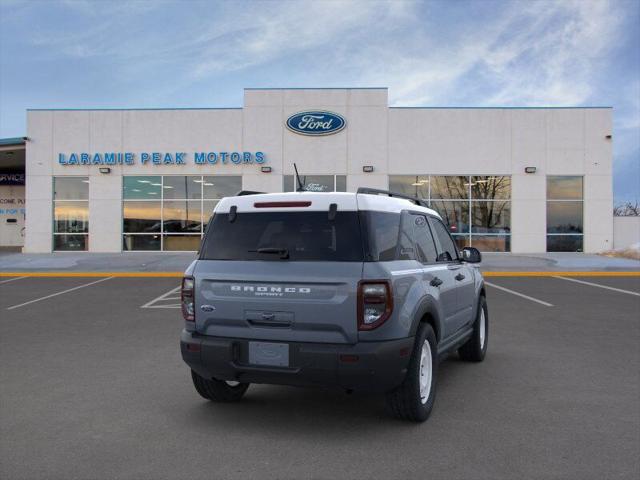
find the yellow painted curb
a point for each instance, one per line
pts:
(93, 274)
(561, 274)
(180, 274)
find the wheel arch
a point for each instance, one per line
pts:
(428, 313)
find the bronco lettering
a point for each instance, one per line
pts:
(265, 289)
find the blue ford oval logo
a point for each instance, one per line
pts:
(316, 122)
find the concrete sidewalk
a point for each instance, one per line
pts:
(95, 262)
(555, 262)
(177, 262)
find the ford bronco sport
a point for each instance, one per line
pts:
(365, 291)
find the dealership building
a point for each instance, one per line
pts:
(524, 180)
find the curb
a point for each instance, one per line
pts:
(562, 274)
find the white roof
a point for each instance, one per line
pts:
(320, 201)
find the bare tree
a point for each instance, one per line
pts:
(627, 209)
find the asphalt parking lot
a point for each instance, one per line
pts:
(92, 386)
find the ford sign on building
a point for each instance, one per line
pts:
(316, 123)
(504, 179)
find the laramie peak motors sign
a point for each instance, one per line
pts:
(316, 123)
(161, 158)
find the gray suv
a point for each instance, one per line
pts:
(365, 291)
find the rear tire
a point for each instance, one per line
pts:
(476, 347)
(413, 399)
(218, 390)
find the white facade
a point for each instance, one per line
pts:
(395, 141)
(626, 231)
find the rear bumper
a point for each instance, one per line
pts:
(370, 366)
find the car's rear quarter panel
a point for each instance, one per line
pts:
(408, 291)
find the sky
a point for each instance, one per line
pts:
(152, 53)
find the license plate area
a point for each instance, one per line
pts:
(269, 354)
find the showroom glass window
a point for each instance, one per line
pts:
(564, 214)
(316, 183)
(171, 212)
(70, 213)
(476, 209)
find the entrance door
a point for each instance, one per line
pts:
(12, 214)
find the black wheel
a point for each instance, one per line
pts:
(475, 348)
(413, 399)
(218, 390)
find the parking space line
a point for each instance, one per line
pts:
(164, 296)
(59, 293)
(12, 279)
(512, 292)
(629, 292)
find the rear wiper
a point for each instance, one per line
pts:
(283, 252)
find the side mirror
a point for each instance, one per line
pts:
(471, 255)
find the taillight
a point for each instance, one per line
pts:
(186, 299)
(375, 303)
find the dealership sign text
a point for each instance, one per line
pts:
(160, 158)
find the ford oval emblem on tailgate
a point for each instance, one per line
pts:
(207, 308)
(316, 122)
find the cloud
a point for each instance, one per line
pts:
(536, 53)
(274, 33)
(553, 60)
(527, 53)
(489, 53)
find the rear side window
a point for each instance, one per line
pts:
(382, 229)
(305, 236)
(406, 241)
(424, 241)
(448, 251)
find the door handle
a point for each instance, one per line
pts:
(459, 277)
(436, 282)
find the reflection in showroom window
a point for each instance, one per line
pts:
(476, 209)
(170, 212)
(316, 183)
(70, 213)
(449, 187)
(564, 213)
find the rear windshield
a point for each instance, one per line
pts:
(284, 236)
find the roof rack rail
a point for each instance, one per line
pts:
(242, 193)
(375, 191)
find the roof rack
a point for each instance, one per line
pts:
(375, 191)
(242, 193)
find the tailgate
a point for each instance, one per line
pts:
(280, 301)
